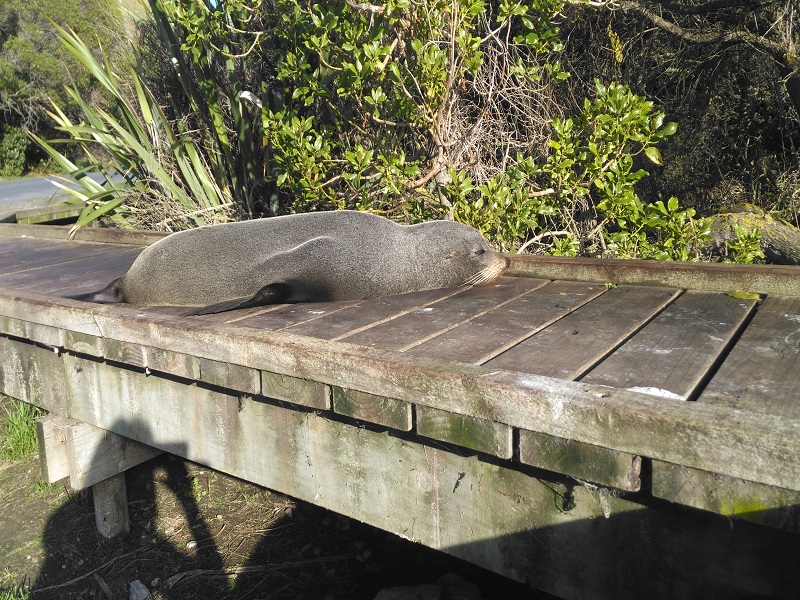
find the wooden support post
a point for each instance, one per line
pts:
(92, 457)
(53, 456)
(111, 506)
(96, 454)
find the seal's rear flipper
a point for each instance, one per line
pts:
(111, 294)
(273, 293)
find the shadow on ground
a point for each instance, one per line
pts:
(197, 533)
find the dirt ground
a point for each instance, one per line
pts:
(197, 533)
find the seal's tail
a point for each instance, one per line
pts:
(110, 294)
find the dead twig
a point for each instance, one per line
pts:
(84, 576)
(234, 571)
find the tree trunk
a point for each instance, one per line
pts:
(780, 241)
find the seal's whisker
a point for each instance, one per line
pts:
(473, 280)
(490, 273)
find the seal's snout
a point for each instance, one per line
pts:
(495, 265)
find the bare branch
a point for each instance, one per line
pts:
(378, 10)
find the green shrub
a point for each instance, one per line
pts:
(415, 110)
(13, 147)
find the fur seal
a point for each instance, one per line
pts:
(325, 256)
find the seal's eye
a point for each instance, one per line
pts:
(480, 251)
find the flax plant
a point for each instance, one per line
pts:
(157, 160)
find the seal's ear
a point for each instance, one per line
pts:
(110, 294)
(272, 293)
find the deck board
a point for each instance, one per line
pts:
(72, 272)
(572, 345)
(281, 316)
(369, 313)
(24, 254)
(486, 336)
(411, 329)
(754, 375)
(675, 351)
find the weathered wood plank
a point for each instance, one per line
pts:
(93, 345)
(96, 454)
(585, 462)
(30, 262)
(86, 274)
(729, 496)
(231, 376)
(780, 280)
(34, 332)
(31, 255)
(527, 528)
(48, 214)
(413, 328)
(470, 432)
(174, 363)
(85, 234)
(488, 335)
(762, 372)
(673, 354)
(61, 274)
(91, 282)
(757, 447)
(290, 314)
(297, 391)
(231, 316)
(369, 313)
(123, 352)
(374, 409)
(51, 435)
(32, 374)
(572, 345)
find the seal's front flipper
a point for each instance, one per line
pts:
(110, 294)
(272, 293)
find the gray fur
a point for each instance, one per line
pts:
(325, 256)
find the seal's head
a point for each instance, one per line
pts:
(457, 252)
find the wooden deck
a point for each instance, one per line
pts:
(550, 426)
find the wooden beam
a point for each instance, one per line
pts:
(470, 432)
(51, 433)
(96, 454)
(585, 462)
(734, 498)
(531, 529)
(762, 279)
(48, 214)
(374, 409)
(297, 391)
(230, 376)
(92, 457)
(31, 373)
(35, 332)
(85, 234)
(756, 447)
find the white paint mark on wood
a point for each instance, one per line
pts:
(654, 391)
